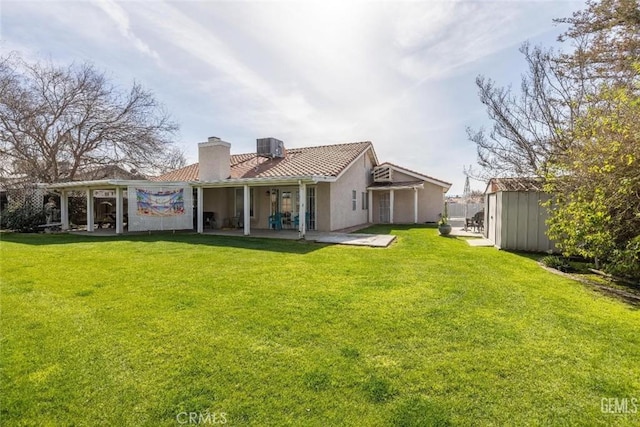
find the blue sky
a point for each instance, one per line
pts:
(398, 73)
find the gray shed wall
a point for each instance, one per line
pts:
(519, 221)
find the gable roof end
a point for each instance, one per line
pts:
(418, 175)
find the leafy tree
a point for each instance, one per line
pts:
(606, 38)
(576, 123)
(58, 123)
(596, 210)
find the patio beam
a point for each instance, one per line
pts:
(199, 210)
(90, 213)
(247, 210)
(64, 209)
(415, 205)
(119, 211)
(302, 215)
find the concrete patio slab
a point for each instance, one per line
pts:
(479, 242)
(461, 232)
(476, 237)
(373, 240)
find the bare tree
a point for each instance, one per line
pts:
(529, 127)
(57, 123)
(534, 127)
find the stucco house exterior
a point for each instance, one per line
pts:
(323, 188)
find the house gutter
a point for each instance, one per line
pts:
(105, 184)
(395, 187)
(263, 182)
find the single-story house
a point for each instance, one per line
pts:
(324, 188)
(514, 216)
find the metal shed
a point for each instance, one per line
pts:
(514, 217)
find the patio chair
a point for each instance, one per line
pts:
(468, 223)
(478, 221)
(275, 221)
(209, 220)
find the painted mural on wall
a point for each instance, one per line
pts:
(160, 202)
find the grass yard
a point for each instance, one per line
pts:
(143, 330)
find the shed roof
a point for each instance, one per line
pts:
(514, 184)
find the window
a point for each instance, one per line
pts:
(365, 201)
(240, 202)
(354, 200)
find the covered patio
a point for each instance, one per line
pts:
(385, 195)
(274, 205)
(102, 189)
(133, 205)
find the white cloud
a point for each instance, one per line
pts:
(121, 19)
(398, 73)
(217, 60)
(440, 38)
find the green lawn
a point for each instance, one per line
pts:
(142, 330)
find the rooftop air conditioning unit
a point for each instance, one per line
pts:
(270, 147)
(382, 174)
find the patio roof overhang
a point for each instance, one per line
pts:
(104, 184)
(230, 182)
(263, 182)
(396, 186)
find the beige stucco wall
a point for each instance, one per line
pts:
(323, 206)
(430, 202)
(213, 157)
(215, 200)
(357, 177)
(261, 207)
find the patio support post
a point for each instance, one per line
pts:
(247, 210)
(415, 205)
(90, 214)
(199, 218)
(119, 213)
(391, 194)
(64, 209)
(370, 206)
(302, 215)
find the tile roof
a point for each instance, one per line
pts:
(326, 160)
(187, 173)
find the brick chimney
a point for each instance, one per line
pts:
(214, 157)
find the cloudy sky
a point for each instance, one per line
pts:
(398, 73)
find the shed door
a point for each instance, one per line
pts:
(491, 220)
